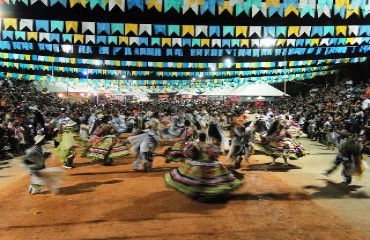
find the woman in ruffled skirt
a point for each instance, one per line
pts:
(106, 145)
(278, 143)
(202, 175)
(175, 152)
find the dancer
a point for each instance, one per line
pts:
(106, 146)
(278, 143)
(350, 157)
(66, 149)
(241, 143)
(202, 176)
(175, 152)
(34, 161)
(144, 145)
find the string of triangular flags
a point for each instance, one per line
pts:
(227, 82)
(30, 27)
(268, 8)
(356, 47)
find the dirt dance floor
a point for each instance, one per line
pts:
(99, 202)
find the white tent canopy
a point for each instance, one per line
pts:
(256, 90)
(218, 92)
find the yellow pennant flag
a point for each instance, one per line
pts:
(10, 22)
(157, 4)
(350, 11)
(315, 42)
(73, 60)
(27, 57)
(166, 41)
(291, 9)
(244, 43)
(131, 27)
(280, 42)
(71, 25)
(122, 39)
(241, 30)
(73, 2)
(204, 42)
(293, 30)
(350, 41)
(341, 30)
(78, 38)
(32, 35)
(276, 3)
(226, 7)
(188, 29)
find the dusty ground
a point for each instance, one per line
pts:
(98, 202)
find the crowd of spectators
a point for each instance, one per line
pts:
(26, 112)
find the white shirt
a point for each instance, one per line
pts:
(365, 104)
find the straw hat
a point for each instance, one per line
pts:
(70, 123)
(247, 120)
(39, 138)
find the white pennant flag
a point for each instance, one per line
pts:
(134, 40)
(263, 9)
(26, 23)
(358, 40)
(353, 29)
(255, 10)
(41, 58)
(305, 30)
(234, 2)
(290, 42)
(44, 36)
(255, 42)
(90, 39)
(325, 10)
(119, 3)
(145, 28)
(324, 42)
(201, 29)
(150, 64)
(88, 26)
(177, 41)
(255, 29)
(216, 42)
(303, 3)
(46, 2)
(194, 6)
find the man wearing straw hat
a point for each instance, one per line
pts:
(34, 161)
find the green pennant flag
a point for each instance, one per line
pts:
(175, 4)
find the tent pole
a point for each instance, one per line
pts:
(285, 63)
